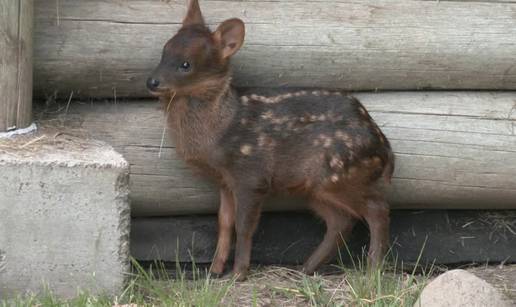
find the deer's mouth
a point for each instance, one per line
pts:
(159, 92)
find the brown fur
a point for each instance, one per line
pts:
(320, 144)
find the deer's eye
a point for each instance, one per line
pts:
(185, 66)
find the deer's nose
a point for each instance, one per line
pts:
(152, 83)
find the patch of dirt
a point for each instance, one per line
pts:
(502, 277)
(280, 286)
(50, 134)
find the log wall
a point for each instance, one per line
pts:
(454, 150)
(107, 48)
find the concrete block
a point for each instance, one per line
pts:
(64, 216)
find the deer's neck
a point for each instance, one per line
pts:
(198, 121)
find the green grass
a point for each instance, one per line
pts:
(275, 286)
(385, 287)
(151, 287)
(388, 285)
(48, 299)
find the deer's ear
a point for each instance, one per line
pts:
(230, 35)
(193, 14)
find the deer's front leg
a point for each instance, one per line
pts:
(248, 208)
(226, 228)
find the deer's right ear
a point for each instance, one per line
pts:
(230, 36)
(193, 14)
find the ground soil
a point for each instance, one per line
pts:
(280, 286)
(502, 277)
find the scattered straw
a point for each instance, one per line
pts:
(68, 103)
(283, 286)
(33, 141)
(502, 223)
(165, 124)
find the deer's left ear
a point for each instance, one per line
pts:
(193, 14)
(230, 36)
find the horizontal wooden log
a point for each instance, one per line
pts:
(454, 150)
(446, 237)
(107, 48)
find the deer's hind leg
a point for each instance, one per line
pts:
(377, 218)
(338, 227)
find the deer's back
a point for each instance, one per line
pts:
(304, 139)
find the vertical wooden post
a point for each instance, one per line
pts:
(16, 27)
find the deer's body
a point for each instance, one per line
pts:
(300, 141)
(319, 144)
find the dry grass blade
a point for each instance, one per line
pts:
(165, 124)
(68, 103)
(33, 141)
(501, 223)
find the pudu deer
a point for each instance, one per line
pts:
(319, 144)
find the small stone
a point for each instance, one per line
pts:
(459, 288)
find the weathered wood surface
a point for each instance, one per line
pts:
(16, 27)
(105, 48)
(446, 237)
(453, 150)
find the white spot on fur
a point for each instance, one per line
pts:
(341, 135)
(336, 162)
(244, 100)
(267, 115)
(262, 138)
(334, 178)
(246, 149)
(279, 120)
